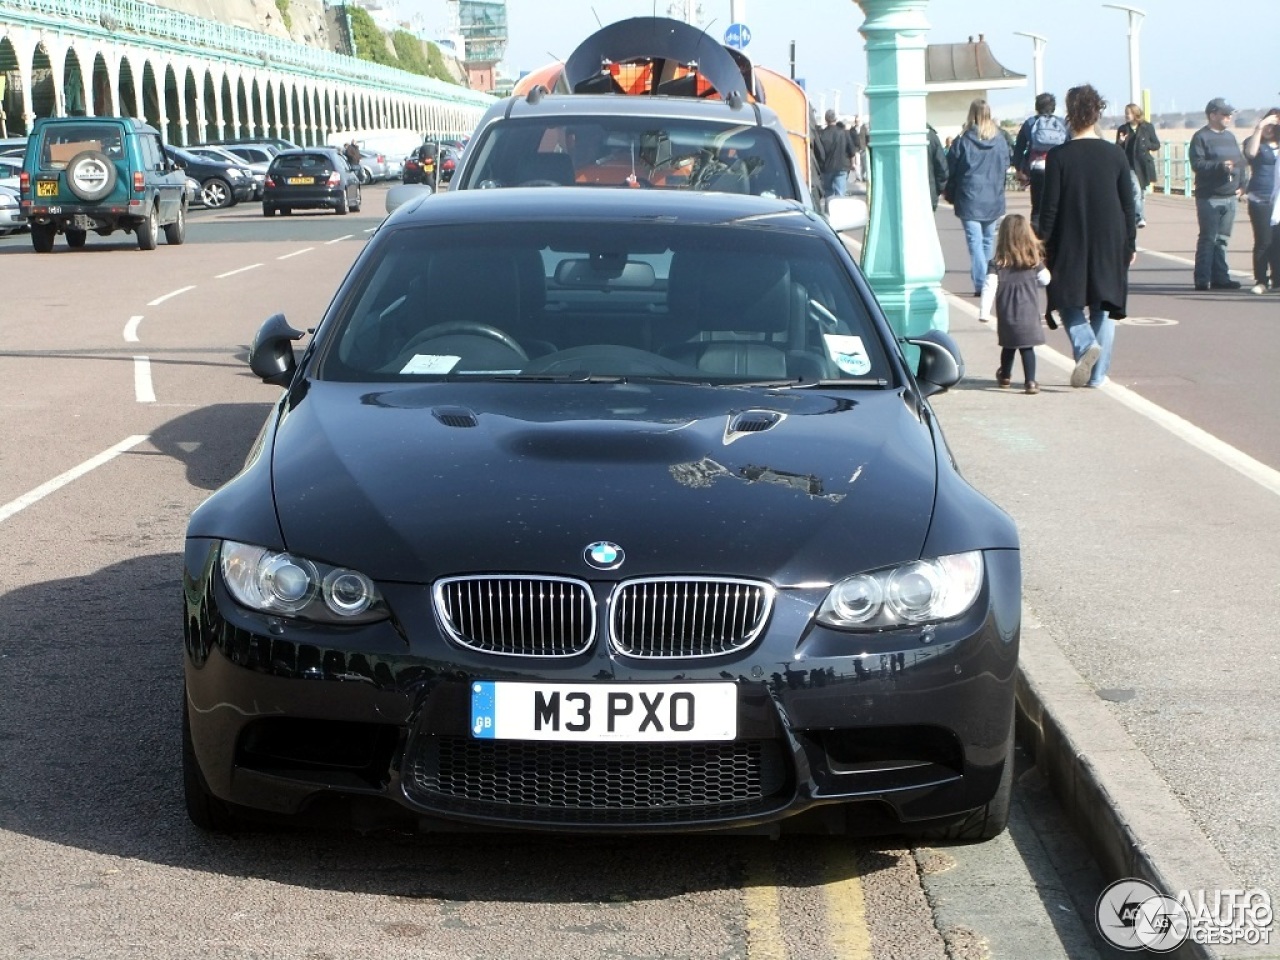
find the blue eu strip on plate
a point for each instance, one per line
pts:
(483, 706)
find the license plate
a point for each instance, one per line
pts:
(301, 181)
(503, 710)
(46, 188)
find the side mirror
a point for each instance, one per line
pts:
(271, 355)
(403, 193)
(940, 366)
(847, 213)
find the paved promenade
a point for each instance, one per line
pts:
(1151, 649)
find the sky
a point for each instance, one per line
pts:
(1184, 60)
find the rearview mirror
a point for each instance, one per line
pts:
(605, 273)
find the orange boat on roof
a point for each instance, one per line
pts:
(659, 56)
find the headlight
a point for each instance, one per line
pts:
(234, 174)
(291, 586)
(924, 591)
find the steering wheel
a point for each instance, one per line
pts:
(466, 327)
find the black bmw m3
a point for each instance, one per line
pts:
(602, 510)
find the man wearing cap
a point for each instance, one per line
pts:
(1219, 177)
(836, 150)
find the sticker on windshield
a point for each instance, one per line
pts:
(430, 363)
(848, 354)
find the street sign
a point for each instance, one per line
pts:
(738, 35)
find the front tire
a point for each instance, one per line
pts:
(203, 809)
(216, 193)
(147, 230)
(989, 821)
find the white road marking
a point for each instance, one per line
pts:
(131, 329)
(371, 229)
(142, 389)
(232, 273)
(1185, 261)
(1184, 430)
(168, 296)
(42, 491)
(340, 239)
(296, 253)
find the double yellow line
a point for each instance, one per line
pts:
(847, 930)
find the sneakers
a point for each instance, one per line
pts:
(1084, 366)
(1142, 223)
(1258, 288)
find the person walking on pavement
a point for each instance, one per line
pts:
(1219, 169)
(1038, 134)
(938, 171)
(1090, 236)
(1137, 137)
(1013, 278)
(858, 133)
(1262, 151)
(978, 162)
(836, 151)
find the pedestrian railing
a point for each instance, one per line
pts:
(1174, 170)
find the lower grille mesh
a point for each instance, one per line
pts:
(597, 782)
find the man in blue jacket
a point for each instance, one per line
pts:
(1219, 168)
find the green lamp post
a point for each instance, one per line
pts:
(901, 255)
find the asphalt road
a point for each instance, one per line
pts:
(125, 401)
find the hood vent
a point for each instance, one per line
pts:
(455, 417)
(750, 421)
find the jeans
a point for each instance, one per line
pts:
(1035, 183)
(1266, 244)
(834, 184)
(1216, 216)
(1139, 197)
(1083, 334)
(980, 235)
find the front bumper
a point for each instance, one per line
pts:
(899, 728)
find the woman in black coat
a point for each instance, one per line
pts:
(1138, 139)
(1090, 235)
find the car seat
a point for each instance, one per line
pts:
(732, 314)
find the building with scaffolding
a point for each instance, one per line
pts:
(482, 25)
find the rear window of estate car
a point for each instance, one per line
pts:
(62, 142)
(618, 151)
(303, 161)
(701, 303)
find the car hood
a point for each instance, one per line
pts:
(413, 482)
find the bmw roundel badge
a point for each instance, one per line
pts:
(604, 555)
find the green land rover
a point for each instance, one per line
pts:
(102, 174)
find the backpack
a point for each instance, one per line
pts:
(1047, 132)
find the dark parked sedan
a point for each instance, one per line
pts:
(310, 178)
(222, 183)
(602, 511)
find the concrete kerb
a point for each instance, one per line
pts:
(1128, 816)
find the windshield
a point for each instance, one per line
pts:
(665, 153)
(578, 301)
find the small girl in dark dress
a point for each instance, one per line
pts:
(1011, 287)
